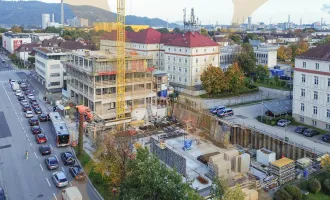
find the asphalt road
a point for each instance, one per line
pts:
(20, 178)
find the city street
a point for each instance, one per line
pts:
(20, 178)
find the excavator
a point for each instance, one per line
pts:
(84, 114)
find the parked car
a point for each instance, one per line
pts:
(225, 113)
(68, 158)
(45, 149)
(41, 138)
(18, 92)
(77, 172)
(326, 138)
(216, 109)
(30, 96)
(35, 130)
(27, 92)
(32, 99)
(300, 129)
(28, 114)
(43, 117)
(20, 97)
(26, 108)
(311, 132)
(60, 179)
(34, 121)
(24, 102)
(283, 122)
(51, 163)
(34, 104)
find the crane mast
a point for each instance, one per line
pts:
(121, 61)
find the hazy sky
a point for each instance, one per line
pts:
(222, 10)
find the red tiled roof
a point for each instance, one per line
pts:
(321, 52)
(152, 36)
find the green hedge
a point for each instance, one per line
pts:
(248, 89)
(273, 121)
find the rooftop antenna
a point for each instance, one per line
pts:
(184, 19)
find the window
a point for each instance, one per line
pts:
(173, 68)
(179, 69)
(196, 50)
(55, 74)
(317, 65)
(314, 122)
(327, 126)
(156, 62)
(303, 92)
(302, 107)
(316, 80)
(315, 110)
(180, 79)
(55, 66)
(180, 50)
(204, 50)
(55, 83)
(328, 113)
(179, 59)
(161, 62)
(173, 58)
(196, 60)
(328, 98)
(185, 60)
(302, 119)
(169, 58)
(185, 70)
(196, 70)
(304, 64)
(328, 82)
(303, 78)
(168, 67)
(173, 78)
(185, 80)
(213, 58)
(205, 59)
(316, 95)
(169, 49)
(174, 49)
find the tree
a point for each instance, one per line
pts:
(314, 185)
(326, 185)
(32, 60)
(236, 38)
(302, 47)
(246, 59)
(129, 29)
(16, 29)
(325, 162)
(176, 30)
(163, 30)
(294, 191)
(213, 80)
(148, 178)
(282, 53)
(204, 32)
(262, 72)
(234, 193)
(235, 77)
(250, 36)
(281, 194)
(219, 188)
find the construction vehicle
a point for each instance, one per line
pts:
(71, 193)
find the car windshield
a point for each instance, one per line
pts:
(63, 180)
(46, 148)
(41, 136)
(52, 161)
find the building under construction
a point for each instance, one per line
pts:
(92, 82)
(283, 169)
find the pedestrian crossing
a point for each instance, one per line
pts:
(9, 70)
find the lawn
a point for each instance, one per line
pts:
(318, 196)
(271, 83)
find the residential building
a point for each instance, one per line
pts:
(92, 82)
(311, 87)
(25, 49)
(283, 169)
(50, 70)
(112, 26)
(12, 41)
(222, 41)
(183, 56)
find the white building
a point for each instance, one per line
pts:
(49, 68)
(311, 87)
(184, 57)
(39, 37)
(45, 18)
(265, 156)
(12, 41)
(77, 22)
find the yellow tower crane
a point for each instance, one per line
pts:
(121, 61)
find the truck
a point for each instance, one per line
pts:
(71, 193)
(15, 86)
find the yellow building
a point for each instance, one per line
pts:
(112, 26)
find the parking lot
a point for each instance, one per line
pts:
(246, 115)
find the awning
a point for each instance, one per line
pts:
(279, 106)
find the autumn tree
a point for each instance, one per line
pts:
(325, 162)
(246, 59)
(163, 30)
(16, 29)
(221, 191)
(148, 178)
(213, 80)
(235, 77)
(302, 47)
(281, 53)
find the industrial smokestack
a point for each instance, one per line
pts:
(53, 17)
(321, 21)
(62, 13)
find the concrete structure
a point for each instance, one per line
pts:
(265, 156)
(219, 167)
(112, 26)
(45, 19)
(183, 56)
(231, 156)
(250, 194)
(78, 22)
(12, 41)
(49, 68)
(311, 87)
(92, 82)
(62, 12)
(283, 169)
(242, 163)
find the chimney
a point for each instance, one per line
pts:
(53, 17)
(62, 13)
